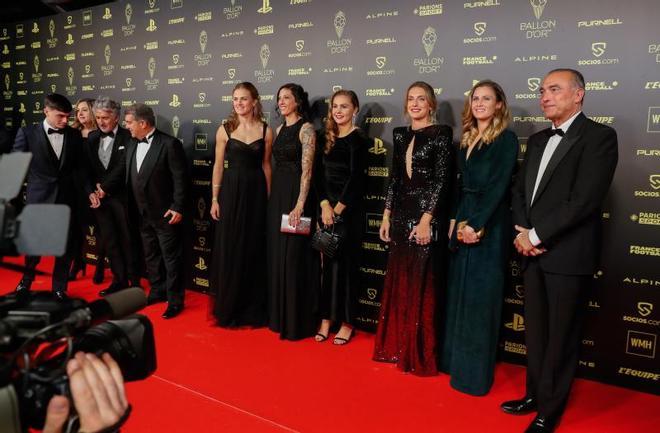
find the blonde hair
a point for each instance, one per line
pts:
(331, 129)
(257, 113)
(430, 97)
(90, 104)
(498, 124)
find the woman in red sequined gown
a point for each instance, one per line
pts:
(414, 225)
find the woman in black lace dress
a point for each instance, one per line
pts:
(240, 185)
(292, 270)
(415, 208)
(339, 181)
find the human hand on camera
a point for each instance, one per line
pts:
(94, 201)
(99, 191)
(97, 391)
(421, 233)
(175, 217)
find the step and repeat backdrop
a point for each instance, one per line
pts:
(183, 58)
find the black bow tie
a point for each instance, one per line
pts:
(556, 131)
(110, 134)
(145, 139)
(55, 131)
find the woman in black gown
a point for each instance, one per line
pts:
(85, 122)
(240, 187)
(339, 180)
(292, 270)
(415, 207)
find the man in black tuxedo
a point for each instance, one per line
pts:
(105, 174)
(52, 176)
(156, 179)
(557, 200)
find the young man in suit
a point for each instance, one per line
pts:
(156, 180)
(105, 172)
(556, 204)
(52, 176)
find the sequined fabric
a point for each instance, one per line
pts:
(407, 321)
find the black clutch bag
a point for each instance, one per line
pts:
(327, 241)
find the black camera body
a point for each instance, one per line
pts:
(39, 334)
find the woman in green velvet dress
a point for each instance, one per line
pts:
(480, 239)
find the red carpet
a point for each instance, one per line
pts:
(216, 380)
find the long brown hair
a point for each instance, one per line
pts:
(257, 113)
(500, 120)
(331, 128)
(430, 97)
(76, 123)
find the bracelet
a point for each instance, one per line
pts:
(214, 199)
(386, 217)
(217, 185)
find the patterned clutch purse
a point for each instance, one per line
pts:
(303, 227)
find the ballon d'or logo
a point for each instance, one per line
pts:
(538, 6)
(429, 38)
(264, 55)
(339, 23)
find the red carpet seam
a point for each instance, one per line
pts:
(238, 409)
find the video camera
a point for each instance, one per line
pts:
(40, 333)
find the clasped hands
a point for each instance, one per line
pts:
(523, 245)
(96, 196)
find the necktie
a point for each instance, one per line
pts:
(55, 131)
(557, 131)
(110, 134)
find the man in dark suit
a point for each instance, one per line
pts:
(105, 173)
(156, 180)
(557, 200)
(55, 149)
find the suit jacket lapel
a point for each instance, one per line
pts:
(130, 156)
(150, 158)
(120, 140)
(42, 138)
(565, 144)
(533, 168)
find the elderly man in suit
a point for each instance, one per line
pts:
(557, 200)
(105, 172)
(52, 177)
(157, 181)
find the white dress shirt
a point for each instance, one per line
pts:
(142, 149)
(550, 147)
(56, 140)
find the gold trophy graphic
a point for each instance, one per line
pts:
(264, 55)
(151, 66)
(51, 28)
(429, 38)
(7, 81)
(538, 6)
(36, 64)
(340, 23)
(203, 39)
(128, 11)
(107, 53)
(176, 123)
(69, 75)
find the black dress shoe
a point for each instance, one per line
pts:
(543, 424)
(172, 311)
(23, 286)
(112, 288)
(60, 295)
(519, 407)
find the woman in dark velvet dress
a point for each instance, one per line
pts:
(292, 269)
(241, 180)
(415, 207)
(85, 122)
(339, 180)
(480, 238)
